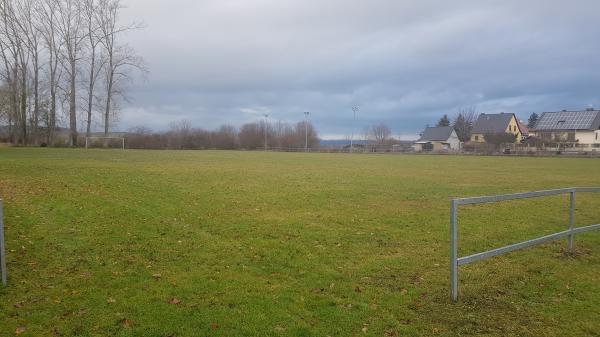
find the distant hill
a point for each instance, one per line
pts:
(339, 142)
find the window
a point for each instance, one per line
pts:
(477, 137)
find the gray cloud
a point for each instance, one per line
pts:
(404, 62)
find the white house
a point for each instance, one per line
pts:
(442, 138)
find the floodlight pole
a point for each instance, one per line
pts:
(306, 113)
(266, 128)
(354, 110)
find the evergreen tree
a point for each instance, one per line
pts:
(444, 121)
(533, 120)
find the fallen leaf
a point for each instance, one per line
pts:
(20, 330)
(111, 300)
(214, 326)
(365, 329)
(174, 301)
(125, 323)
(357, 289)
(156, 276)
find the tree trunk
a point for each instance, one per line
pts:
(108, 99)
(36, 99)
(91, 93)
(24, 107)
(52, 113)
(73, 106)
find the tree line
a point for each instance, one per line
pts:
(250, 136)
(62, 62)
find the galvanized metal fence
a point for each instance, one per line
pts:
(2, 246)
(456, 261)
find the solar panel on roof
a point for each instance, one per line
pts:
(567, 120)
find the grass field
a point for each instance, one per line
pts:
(161, 243)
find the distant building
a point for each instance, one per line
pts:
(494, 124)
(438, 139)
(524, 129)
(576, 127)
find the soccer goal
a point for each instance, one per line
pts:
(105, 142)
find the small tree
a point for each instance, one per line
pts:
(444, 121)
(463, 123)
(381, 133)
(532, 120)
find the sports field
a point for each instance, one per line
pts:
(217, 243)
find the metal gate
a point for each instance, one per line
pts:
(456, 261)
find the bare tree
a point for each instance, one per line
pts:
(224, 138)
(381, 133)
(42, 40)
(120, 59)
(463, 123)
(71, 32)
(14, 51)
(95, 66)
(47, 13)
(180, 134)
(26, 24)
(251, 136)
(9, 71)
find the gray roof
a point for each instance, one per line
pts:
(492, 123)
(569, 120)
(441, 133)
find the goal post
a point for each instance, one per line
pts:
(105, 142)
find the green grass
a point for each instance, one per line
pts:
(282, 244)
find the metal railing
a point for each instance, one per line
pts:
(456, 261)
(2, 247)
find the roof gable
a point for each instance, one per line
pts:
(436, 133)
(492, 123)
(523, 128)
(569, 120)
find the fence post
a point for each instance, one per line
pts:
(454, 252)
(571, 218)
(2, 247)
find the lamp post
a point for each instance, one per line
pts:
(306, 113)
(354, 110)
(266, 128)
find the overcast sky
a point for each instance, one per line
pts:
(405, 63)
